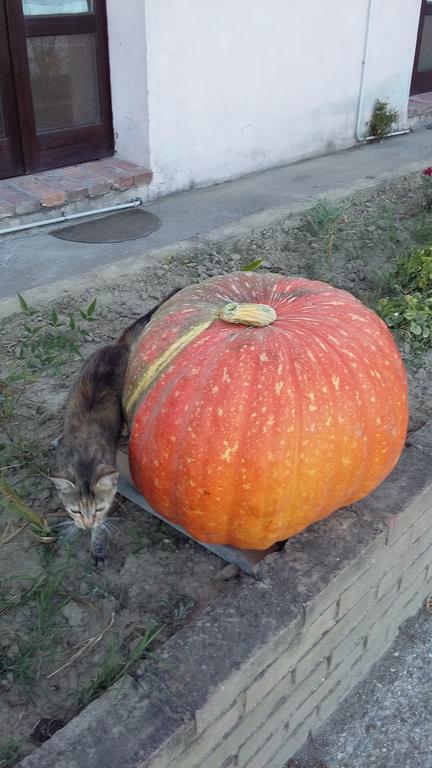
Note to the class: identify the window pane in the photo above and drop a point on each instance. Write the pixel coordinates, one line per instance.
(425, 58)
(64, 81)
(54, 7)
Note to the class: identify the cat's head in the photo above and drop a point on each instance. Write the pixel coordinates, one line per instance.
(88, 502)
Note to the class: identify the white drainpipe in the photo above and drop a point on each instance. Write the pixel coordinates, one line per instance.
(360, 102)
(69, 216)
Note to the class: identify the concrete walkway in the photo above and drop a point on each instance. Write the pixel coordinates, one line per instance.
(38, 259)
(386, 721)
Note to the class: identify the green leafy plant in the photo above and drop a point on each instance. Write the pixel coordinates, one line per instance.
(410, 316)
(382, 120)
(407, 309)
(252, 265)
(49, 344)
(413, 272)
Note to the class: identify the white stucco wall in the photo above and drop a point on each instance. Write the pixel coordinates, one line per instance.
(128, 66)
(234, 86)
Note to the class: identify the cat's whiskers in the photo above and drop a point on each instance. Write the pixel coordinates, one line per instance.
(114, 528)
(105, 528)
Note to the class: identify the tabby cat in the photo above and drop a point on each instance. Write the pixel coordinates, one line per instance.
(86, 475)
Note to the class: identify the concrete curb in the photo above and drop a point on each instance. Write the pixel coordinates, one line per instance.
(96, 278)
(268, 662)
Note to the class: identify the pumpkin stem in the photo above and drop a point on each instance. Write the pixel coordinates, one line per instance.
(248, 314)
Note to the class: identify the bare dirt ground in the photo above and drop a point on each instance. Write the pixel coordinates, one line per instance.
(67, 631)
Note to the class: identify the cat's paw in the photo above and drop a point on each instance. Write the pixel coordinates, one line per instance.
(101, 559)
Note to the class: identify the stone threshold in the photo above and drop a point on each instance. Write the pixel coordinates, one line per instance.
(420, 105)
(420, 111)
(74, 188)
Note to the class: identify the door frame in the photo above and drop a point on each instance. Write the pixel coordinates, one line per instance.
(421, 81)
(11, 159)
(55, 148)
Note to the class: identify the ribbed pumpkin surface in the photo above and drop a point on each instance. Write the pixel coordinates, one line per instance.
(245, 435)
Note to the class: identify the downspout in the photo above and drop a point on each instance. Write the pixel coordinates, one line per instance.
(360, 102)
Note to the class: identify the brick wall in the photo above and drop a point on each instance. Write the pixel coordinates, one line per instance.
(270, 661)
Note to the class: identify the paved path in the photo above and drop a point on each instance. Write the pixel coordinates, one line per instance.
(386, 722)
(37, 259)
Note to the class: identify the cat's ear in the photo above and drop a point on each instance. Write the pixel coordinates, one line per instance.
(106, 478)
(63, 485)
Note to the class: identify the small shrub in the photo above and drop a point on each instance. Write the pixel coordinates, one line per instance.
(382, 120)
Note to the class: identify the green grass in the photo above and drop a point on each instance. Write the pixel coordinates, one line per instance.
(116, 665)
(15, 505)
(10, 752)
(326, 221)
(44, 598)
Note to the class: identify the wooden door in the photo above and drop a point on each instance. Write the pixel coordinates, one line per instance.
(60, 92)
(422, 73)
(11, 161)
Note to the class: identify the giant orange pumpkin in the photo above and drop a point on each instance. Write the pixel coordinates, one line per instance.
(259, 404)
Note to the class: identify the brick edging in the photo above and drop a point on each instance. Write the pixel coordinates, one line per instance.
(272, 659)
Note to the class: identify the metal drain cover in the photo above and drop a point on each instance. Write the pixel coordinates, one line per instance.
(113, 228)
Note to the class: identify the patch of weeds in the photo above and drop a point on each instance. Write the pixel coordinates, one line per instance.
(16, 506)
(115, 665)
(49, 344)
(324, 221)
(11, 392)
(44, 600)
(9, 752)
(177, 609)
(410, 316)
(11, 600)
(387, 222)
(413, 272)
(420, 229)
(382, 119)
(407, 309)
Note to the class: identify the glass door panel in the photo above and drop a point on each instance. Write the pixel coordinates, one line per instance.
(64, 81)
(55, 7)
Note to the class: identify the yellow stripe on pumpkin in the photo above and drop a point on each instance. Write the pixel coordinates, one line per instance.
(157, 366)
